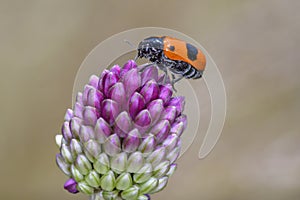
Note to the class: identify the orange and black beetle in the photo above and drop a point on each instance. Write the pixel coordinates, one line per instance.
(176, 55)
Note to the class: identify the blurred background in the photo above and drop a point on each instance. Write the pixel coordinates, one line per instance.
(255, 44)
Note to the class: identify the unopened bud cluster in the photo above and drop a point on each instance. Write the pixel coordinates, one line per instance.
(122, 137)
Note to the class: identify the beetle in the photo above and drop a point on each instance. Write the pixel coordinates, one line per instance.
(175, 55)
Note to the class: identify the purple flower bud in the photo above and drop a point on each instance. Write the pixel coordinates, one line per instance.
(116, 69)
(147, 145)
(61, 163)
(69, 115)
(169, 114)
(109, 80)
(155, 108)
(66, 132)
(78, 108)
(173, 155)
(71, 186)
(90, 116)
(143, 119)
(157, 156)
(178, 102)
(122, 124)
(170, 142)
(182, 118)
(85, 93)
(75, 124)
(132, 81)
(94, 98)
(100, 83)
(102, 130)
(149, 73)
(165, 93)
(172, 169)
(136, 104)
(94, 81)
(79, 98)
(161, 130)
(110, 110)
(112, 145)
(132, 141)
(93, 148)
(150, 91)
(177, 128)
(86, 133)
(130, 64)
(117, 93)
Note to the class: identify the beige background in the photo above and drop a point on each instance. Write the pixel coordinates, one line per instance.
(255, 44)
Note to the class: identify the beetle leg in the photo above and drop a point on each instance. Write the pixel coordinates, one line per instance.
(174, 80)
(164, 69)
(144, 66)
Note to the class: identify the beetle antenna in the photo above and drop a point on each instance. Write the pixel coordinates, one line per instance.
(128, 42)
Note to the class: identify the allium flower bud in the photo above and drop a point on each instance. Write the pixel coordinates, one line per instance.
(71, 185)
(122, 138)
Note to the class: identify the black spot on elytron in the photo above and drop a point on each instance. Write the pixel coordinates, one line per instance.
(172, 48)
(191, 52)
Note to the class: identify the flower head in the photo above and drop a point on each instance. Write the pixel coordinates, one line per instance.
(122, 138)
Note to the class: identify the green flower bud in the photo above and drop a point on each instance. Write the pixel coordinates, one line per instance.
(135, 162)
(66, 153)
(110, 195)
(130, 193)
(157, 156)
(143, 174)
(97, 196)
(93, 179)
(124, 181)
(118, 162)
(108, 181)
(172, 170)
(75, 147)
(85, 188)
(148, 185)
(161, 169)
(162, 183)
(83, 164)
(76, 174)
(92, 149)
(102, 165)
